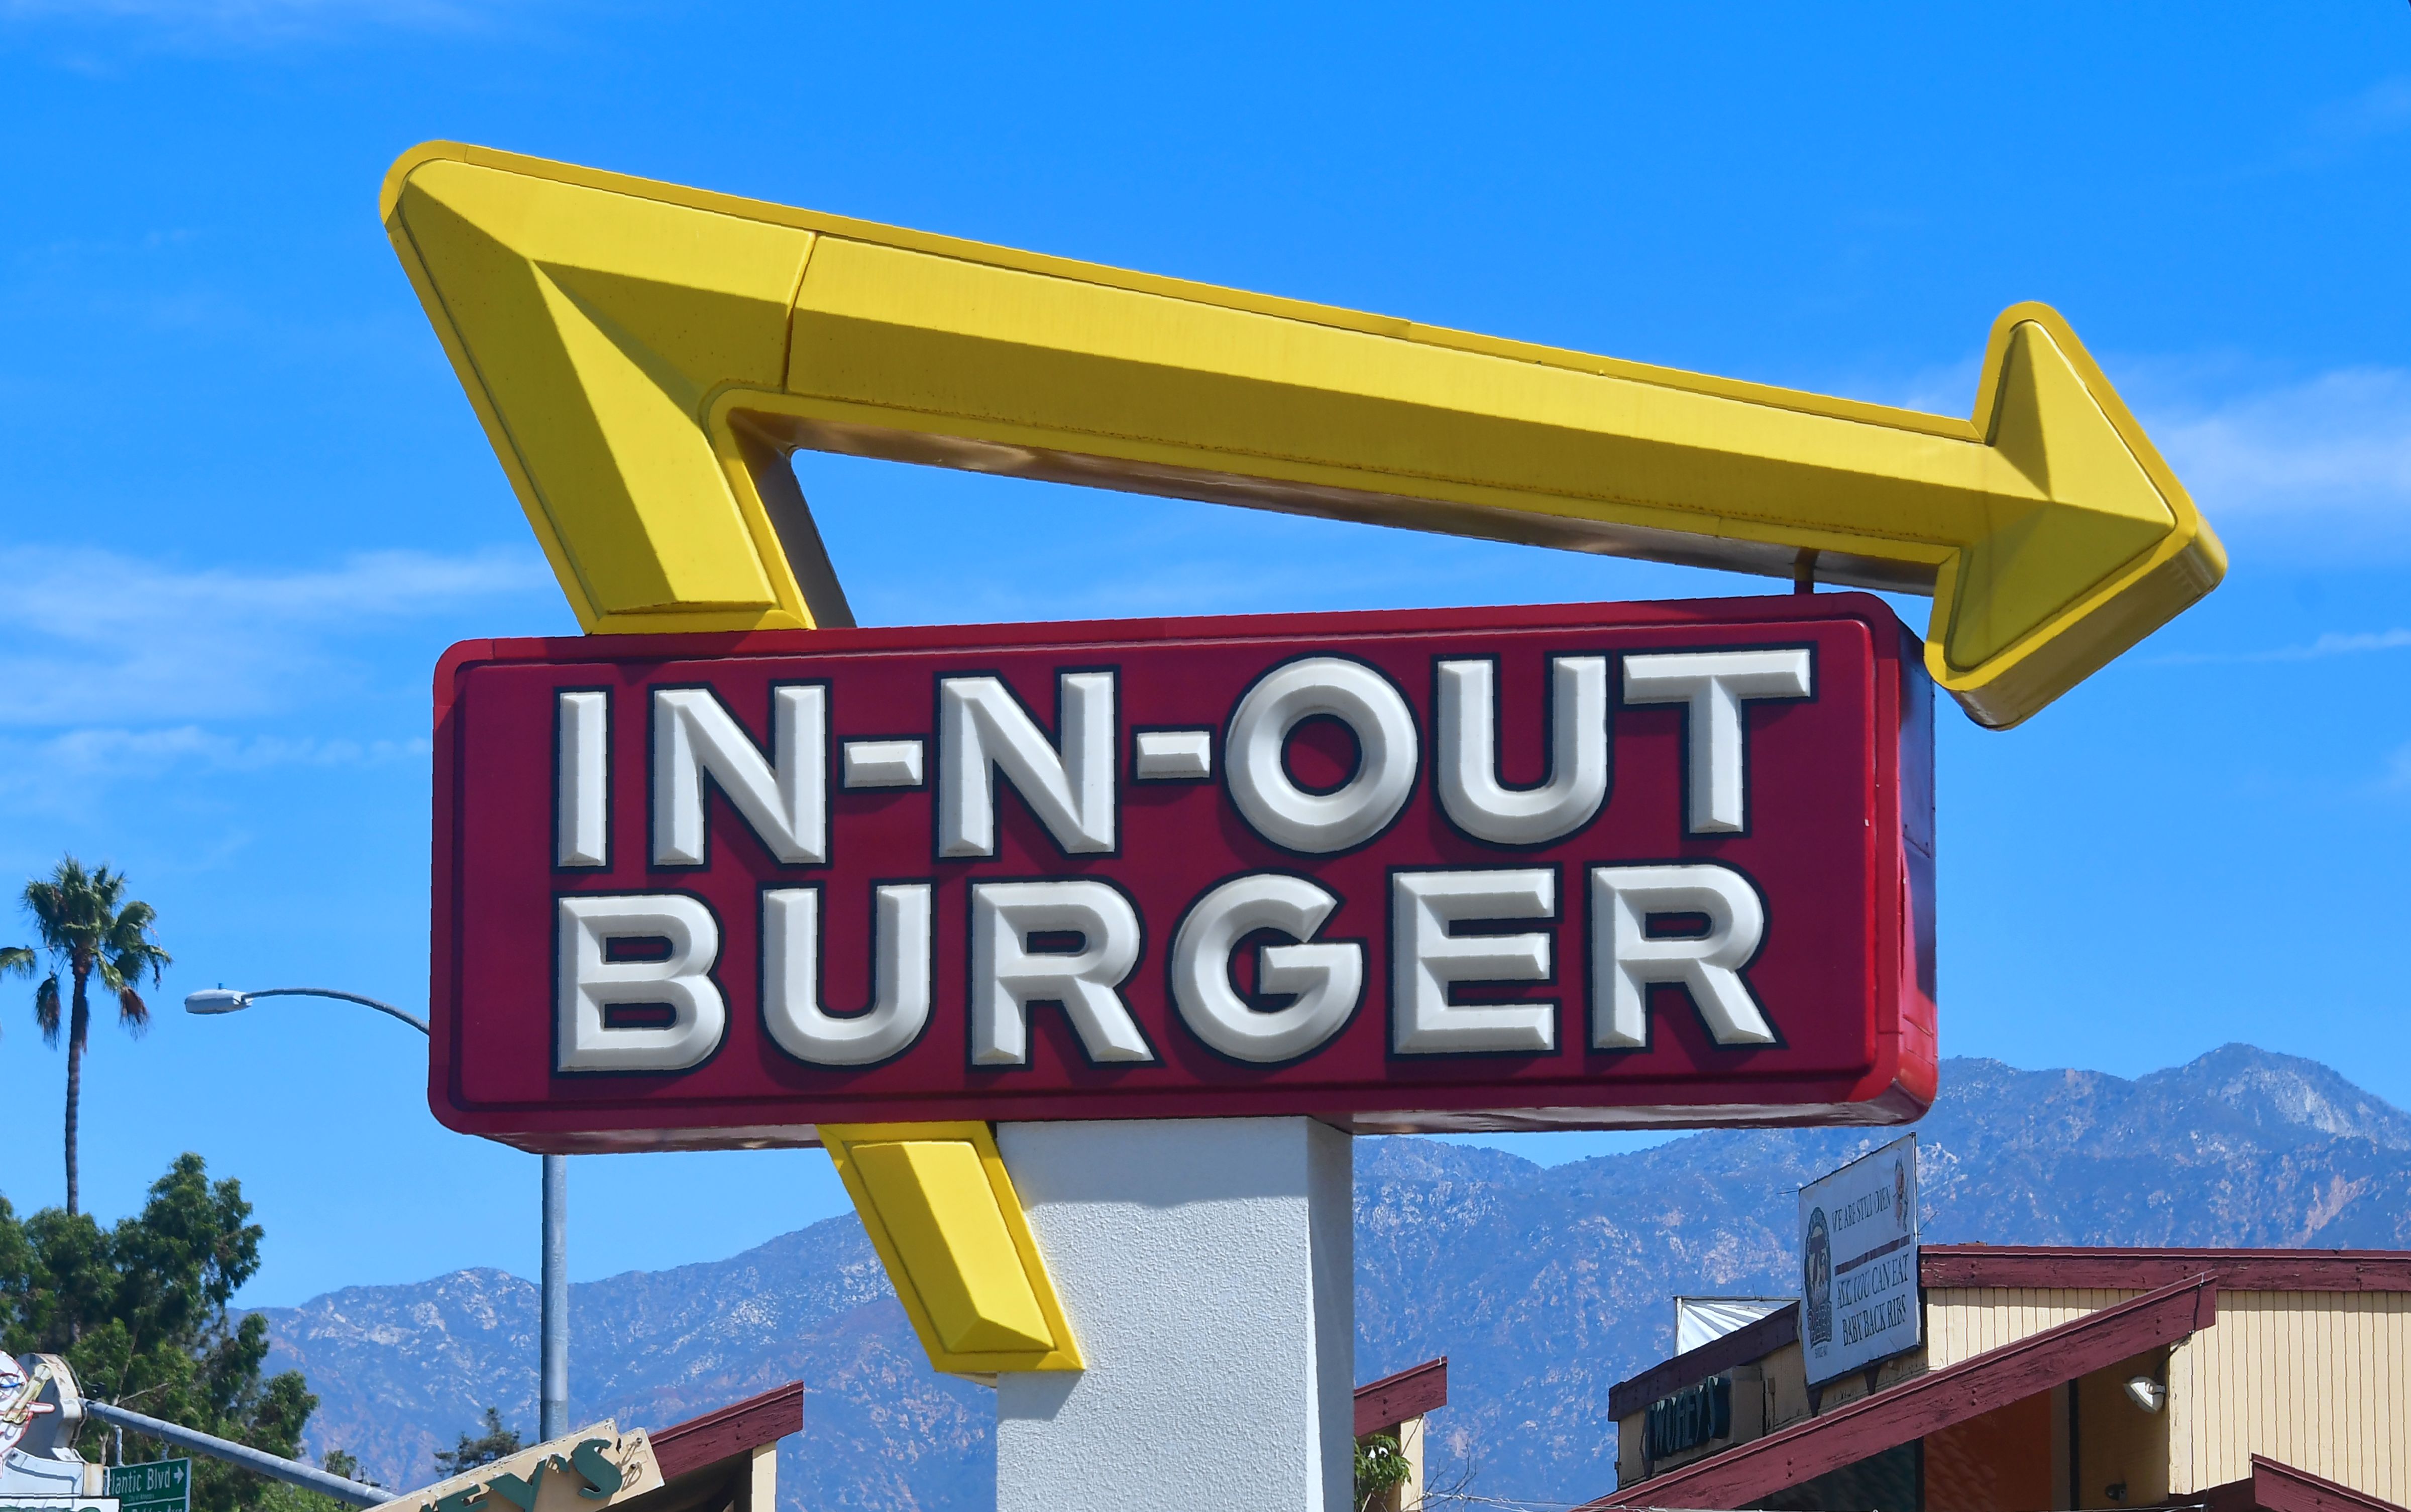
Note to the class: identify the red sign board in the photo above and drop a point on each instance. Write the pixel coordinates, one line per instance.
(1589, 866)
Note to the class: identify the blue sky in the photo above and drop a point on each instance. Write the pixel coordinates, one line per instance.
(243, 504)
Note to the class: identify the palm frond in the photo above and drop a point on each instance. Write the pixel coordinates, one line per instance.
(109, 886)
(48, 903)
(129, 950)
(87, 924)
(132, 925)
(46, 1009)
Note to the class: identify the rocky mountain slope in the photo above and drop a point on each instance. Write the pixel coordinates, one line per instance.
(1543, 1286)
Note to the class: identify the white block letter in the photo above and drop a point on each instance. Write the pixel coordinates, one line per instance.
(1427, 959)
(590, 982)
(581, 824)
(1470, 789)
(791, 978)
(1286, 814)
(1625, 960)
(1007, 976)
(1328, 978)
(784, 799)
(983, 730)
(1715, 684)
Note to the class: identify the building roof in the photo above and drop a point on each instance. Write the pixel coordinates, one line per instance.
(1396, 1399)
(2140, 1270)
(738, 1429)
(2272, 1487)
(1750, 1342)
(2041, 1267)
(1925, 1404)
(707, 1463)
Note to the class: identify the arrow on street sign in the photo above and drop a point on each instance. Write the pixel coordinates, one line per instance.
(644, 356)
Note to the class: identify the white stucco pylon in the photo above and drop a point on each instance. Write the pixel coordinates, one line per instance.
(1206, 1266)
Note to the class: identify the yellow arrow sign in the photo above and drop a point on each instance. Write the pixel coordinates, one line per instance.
(644, 356)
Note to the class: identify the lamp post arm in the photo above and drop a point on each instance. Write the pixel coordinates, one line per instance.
(292, 1471)
(552, 1386)
(401, 1013)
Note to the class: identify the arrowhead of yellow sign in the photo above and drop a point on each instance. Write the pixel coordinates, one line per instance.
(644, 356)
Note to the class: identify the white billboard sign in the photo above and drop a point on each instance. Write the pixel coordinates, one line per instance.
(1857, 1264)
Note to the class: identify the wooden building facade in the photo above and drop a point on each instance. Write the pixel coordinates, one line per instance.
(2054, 1379)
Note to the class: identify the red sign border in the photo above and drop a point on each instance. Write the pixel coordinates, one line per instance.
(1897, 1088)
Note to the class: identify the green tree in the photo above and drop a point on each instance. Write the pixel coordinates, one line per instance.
(140, 1310)
(87, 928)
(1382, 1468)
(341, 1462)
(279, 1497)
(495, 1442)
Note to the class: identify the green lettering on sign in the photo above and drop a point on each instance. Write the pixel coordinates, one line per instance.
(159, 1486)
(602, 1476)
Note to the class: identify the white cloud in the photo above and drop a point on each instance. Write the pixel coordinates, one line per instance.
(2375, 111)
(2337, 445)
(2398, 771)
(2323, 463)
(68, 774)
(2334, 643)
(88, 634)
(251, 21)
(117, 752)
(127, 674)
(1948, 388)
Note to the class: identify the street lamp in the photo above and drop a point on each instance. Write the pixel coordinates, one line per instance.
(552, 1390)
(225, 1000)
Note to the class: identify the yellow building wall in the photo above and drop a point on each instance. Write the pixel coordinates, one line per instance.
(1962, 1322)
(2318, 1380)
(2121, 1451)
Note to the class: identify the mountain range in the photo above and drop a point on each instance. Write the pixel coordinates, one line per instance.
(1543, 1285)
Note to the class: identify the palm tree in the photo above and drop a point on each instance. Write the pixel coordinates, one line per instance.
(86, 928)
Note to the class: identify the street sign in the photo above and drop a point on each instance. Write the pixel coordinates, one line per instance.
(1577, 866)
(1857, 1264)
(157, 1486)
(644, 356)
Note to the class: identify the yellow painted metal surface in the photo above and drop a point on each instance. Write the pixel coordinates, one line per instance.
(587, 328)
(947, 1223)
(644, 356)
(942, 1212)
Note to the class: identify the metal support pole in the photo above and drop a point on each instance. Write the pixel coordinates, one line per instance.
(552, 1398)
(552, 1328)
(292, 1471)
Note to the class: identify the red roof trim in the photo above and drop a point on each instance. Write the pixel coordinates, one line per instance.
(2281, 1488)
(1752, 1342)
(1396, 1399)
(1936, 1400)
(739, 1427)
(2041, 1267)
(2046, 1266)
